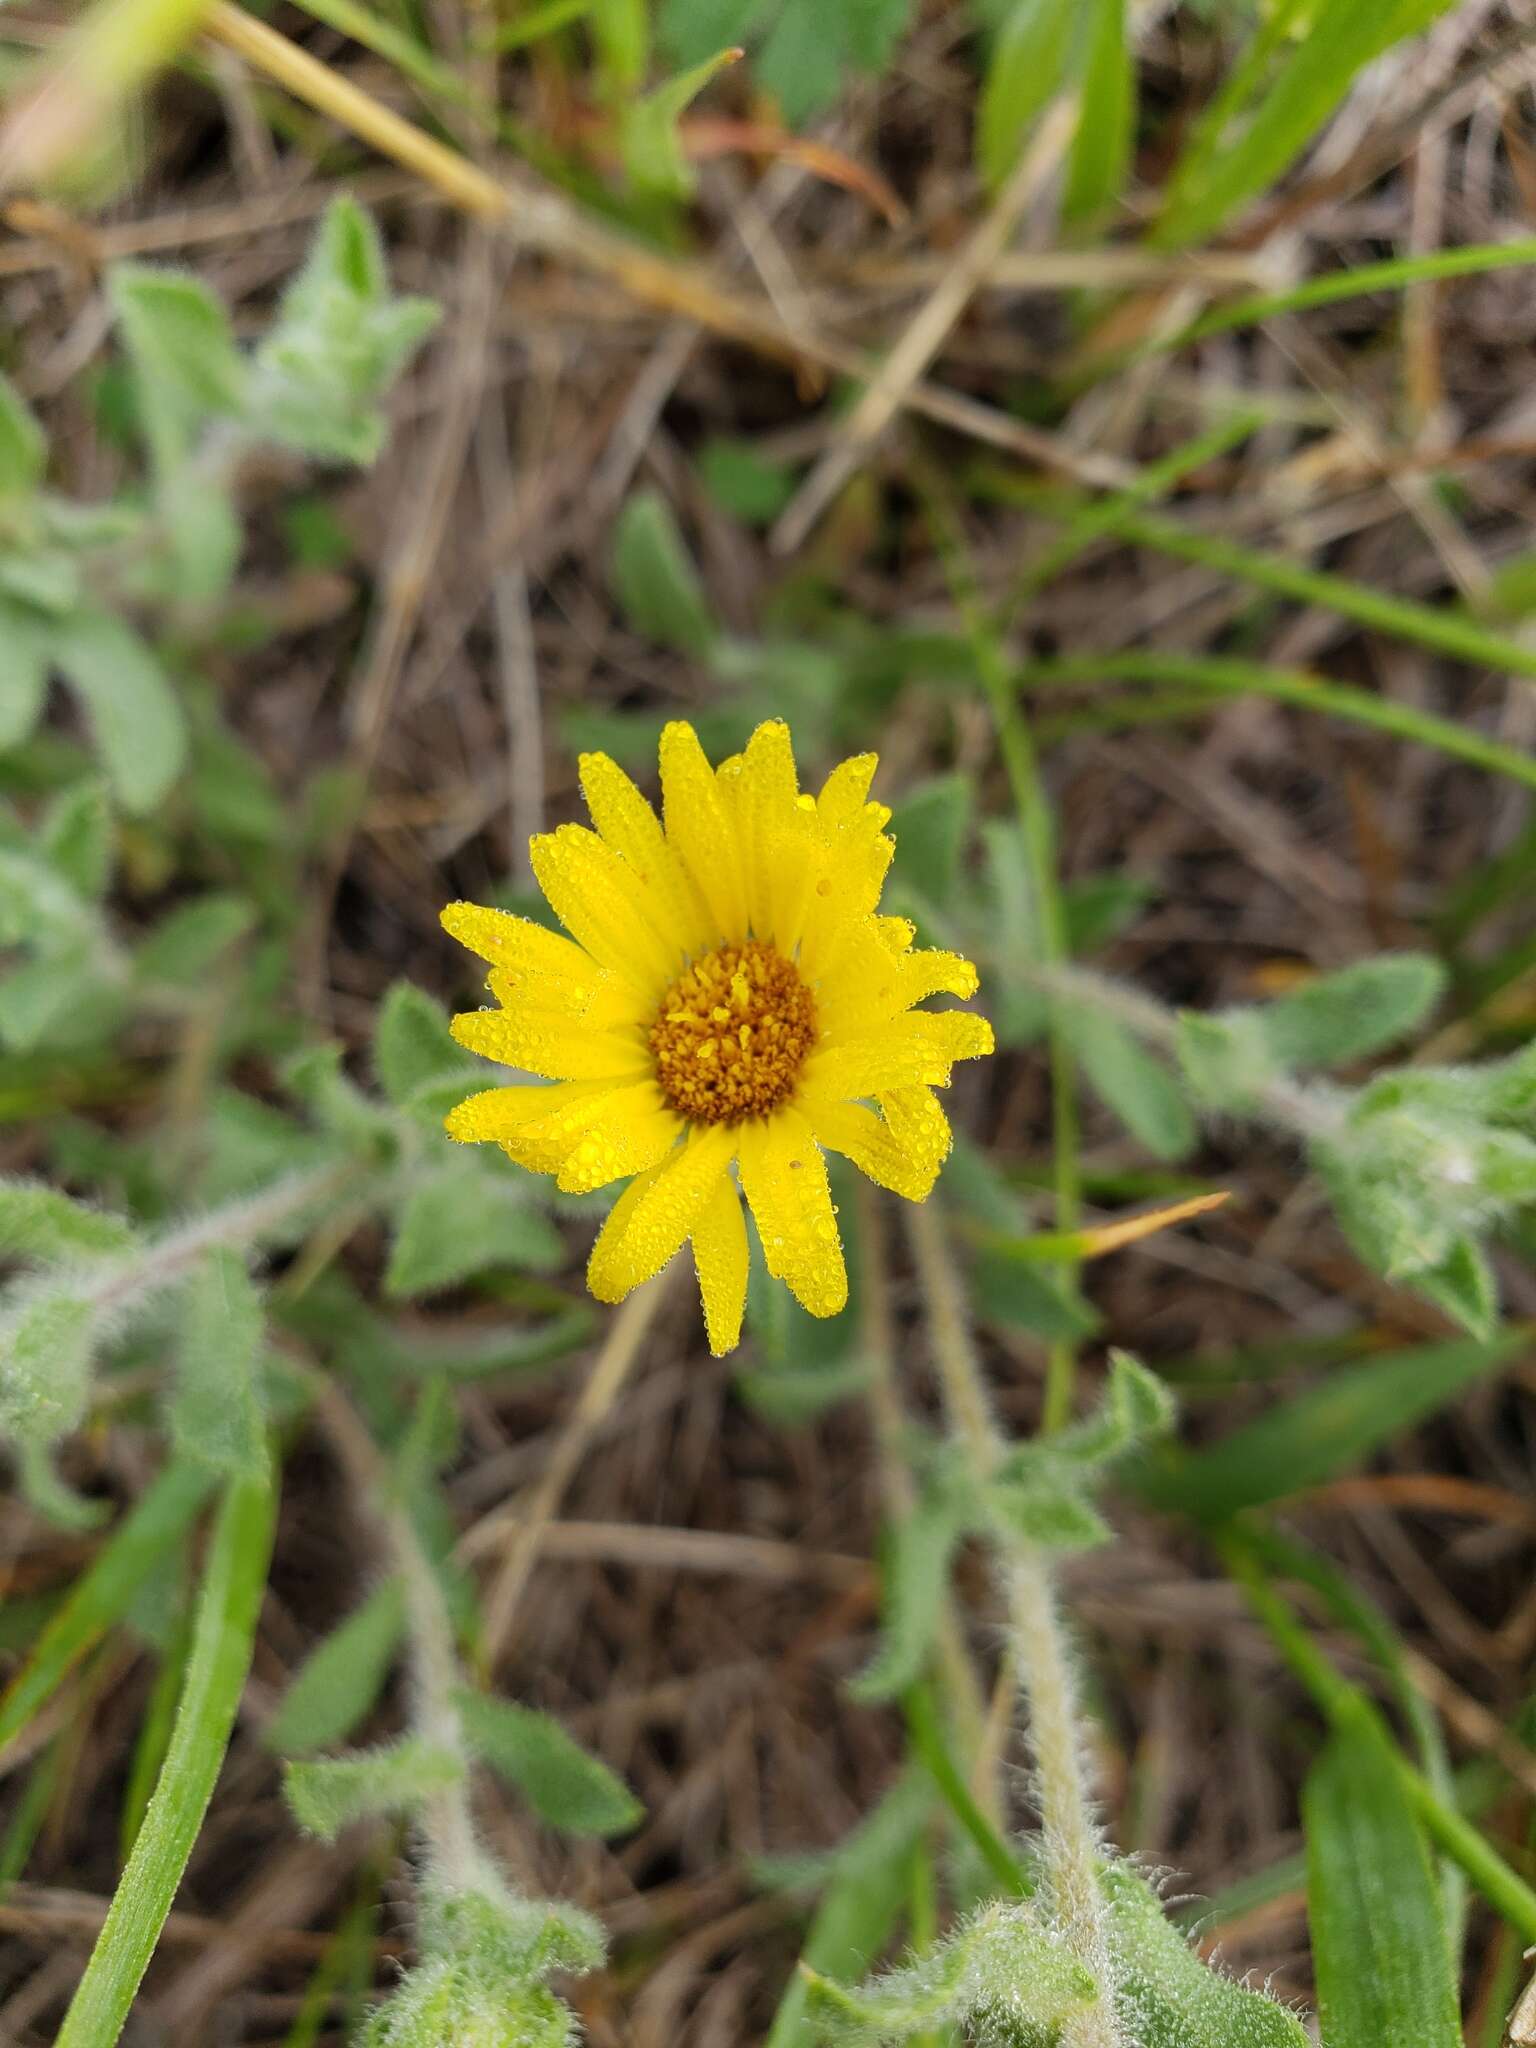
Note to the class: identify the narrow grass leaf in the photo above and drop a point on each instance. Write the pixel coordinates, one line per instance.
(1379, 1942)
(865, 1892)
(1322, 1432)
(1030, 58)
(102, 1594)
(1315, 75)
(1225, 677)
(222, 1635)
(1101, 147)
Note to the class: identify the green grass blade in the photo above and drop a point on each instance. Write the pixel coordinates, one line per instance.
(859, 1908)
(102, 1594)
(928, 1741)
(1322, 1432)
(1378, 1936)
(1233, 678)
(1313, 78)
(1101, 146)
(225, 1627)
(1101, 517)
(1393, 274)
(1442, 627)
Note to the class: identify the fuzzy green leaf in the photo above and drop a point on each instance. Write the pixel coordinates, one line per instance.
(341, 1678)
(184, 358)
(216, 1409)
(935, 818)
(412, 1045)
(50, 1495)
(47, 1339)
(1137, 1087)
(137, 720)
(1359, 1010)
(76, 837)
(919, 1549)
(1050, 1517)
(327, 1796)
(188, 944)
(1464, 1286)
(38, 1222)
(1226, 1060)
(1001, 1964)
(564, 1784)
(1379, 1940)
(27, 663)
(1166, 1996)
(654, 578)
(23, 450)
(462, 1219)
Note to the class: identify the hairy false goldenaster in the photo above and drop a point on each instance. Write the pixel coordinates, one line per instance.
(728, 998)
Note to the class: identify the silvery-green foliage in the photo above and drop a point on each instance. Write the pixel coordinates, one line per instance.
(1231, 1058)
(1041, 1491)
(450, 1211)
(1164, 1996)
(482, 1982)
(1006, 1979)
(70, 573)
(1426, 1163)
(339, 342)
(330, 1793)
(1003, 1977)
(564, 1784)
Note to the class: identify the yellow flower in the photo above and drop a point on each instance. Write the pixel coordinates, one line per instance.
(728, 997)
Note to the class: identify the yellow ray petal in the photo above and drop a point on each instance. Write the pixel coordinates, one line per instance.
(610, 1002)
(769, 822)
(866, 984)
(858, 1134)
(633, 1130)
(497, 1114)
(602, 903)
(720, 1260)
(551, 1043)
(918, 1124)
(701, 830)
(916, 1049)
(517, 945)
(846, 790)
(633, 1247)
(784, 1178)
(629, 825)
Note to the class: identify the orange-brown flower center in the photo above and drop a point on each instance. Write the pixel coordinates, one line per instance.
(732, 1034)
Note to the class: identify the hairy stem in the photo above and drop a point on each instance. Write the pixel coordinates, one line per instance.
(1043, 1659)
(235, 1226)
(1307, 1111)
(455, 1859)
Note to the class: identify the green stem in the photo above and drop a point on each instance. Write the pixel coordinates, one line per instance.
(225, 1628)
(1354, 283)
(1443, 628)
(1109, 515)
(1342, 1703)
(1038, 830)
(1232, 678)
